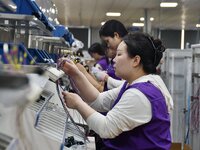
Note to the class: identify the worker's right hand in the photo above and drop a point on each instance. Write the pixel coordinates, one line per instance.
(68, 66)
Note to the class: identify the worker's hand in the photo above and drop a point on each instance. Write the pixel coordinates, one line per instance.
(81, 68)
(99, 74)
(71, 100)
(68, 66)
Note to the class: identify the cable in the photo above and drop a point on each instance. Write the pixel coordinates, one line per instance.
(195, 111)
(67, 112)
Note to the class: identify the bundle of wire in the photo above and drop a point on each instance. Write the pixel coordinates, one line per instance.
(195, 110)
(58, 87)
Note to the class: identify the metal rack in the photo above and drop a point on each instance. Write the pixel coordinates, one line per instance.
(23, 21)
(51, 44)
(55, 122)
(48, 48)
(19, 27)
(7, 6)
(177, 76)
(195, 100)
(7, 142)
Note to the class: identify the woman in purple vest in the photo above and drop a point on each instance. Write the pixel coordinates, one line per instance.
(138, 112)
(96, 51)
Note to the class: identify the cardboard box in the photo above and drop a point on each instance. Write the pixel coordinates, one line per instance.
(177, 146)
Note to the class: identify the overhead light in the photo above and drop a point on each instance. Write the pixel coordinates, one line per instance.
(141, 18)
(152, 19)
(182, 38)
(198, 25)
(113, 14)
(13, 6)
(138, 24)
(168, 4)
(102, 23)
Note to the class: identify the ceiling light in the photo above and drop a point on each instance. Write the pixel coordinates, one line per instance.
(102, 23)
(113, 14)
(13, 6)
(198, 25)
(168, 4)
(138, 24)
(151, 19)
(141, 18)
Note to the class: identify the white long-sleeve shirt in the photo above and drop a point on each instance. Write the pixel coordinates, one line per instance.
(133, 109)
(114, 83)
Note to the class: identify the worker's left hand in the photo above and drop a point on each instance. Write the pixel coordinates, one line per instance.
(81, 68)
(99, 74)
(71, 100)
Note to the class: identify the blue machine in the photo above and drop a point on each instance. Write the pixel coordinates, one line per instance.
(25, 56)
(62, 31)
(30, 7)
(42, 56)
(18, 52)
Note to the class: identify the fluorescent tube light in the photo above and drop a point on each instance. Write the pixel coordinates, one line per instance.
(12, 6)
(168, 4)
(138, 24)
(198, 25)
(152, 19)
(102, 23)
(182, 38)
(113, 14)
(141, 18)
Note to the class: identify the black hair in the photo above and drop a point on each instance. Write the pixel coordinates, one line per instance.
(112, 26)
(96, 48)
(149, 49)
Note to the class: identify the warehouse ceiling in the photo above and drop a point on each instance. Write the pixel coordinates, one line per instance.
(91, 13)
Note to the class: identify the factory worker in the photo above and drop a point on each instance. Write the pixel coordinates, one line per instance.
(96, 51)
(138, 111)
(112, 33)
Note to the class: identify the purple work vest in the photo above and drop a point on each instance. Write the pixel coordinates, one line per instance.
(108, 67)
(103, 62)
(111, 71)
(154, 135)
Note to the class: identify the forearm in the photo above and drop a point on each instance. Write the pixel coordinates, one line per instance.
(85, 110)
(96, 84)
(113, 83)
(87, 91)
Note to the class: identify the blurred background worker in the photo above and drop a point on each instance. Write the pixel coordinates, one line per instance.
(97, 52)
